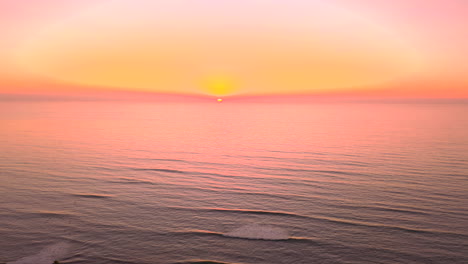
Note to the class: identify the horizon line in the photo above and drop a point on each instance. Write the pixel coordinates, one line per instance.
(149, 97)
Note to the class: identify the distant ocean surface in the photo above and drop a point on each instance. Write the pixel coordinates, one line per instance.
(115, 182)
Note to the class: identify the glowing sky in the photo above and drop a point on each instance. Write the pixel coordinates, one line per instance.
(415, 48)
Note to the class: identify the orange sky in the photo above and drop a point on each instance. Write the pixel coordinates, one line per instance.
(373, 48)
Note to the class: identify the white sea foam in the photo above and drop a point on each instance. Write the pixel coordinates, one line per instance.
(46, 256)
(256, 231)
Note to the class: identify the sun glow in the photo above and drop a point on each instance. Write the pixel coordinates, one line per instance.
(219, 85)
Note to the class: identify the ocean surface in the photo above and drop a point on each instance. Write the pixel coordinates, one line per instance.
(115, 182)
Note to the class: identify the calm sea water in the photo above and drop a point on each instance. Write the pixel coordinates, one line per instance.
(106, 182)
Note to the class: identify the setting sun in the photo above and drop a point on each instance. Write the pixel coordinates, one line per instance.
(219, 85)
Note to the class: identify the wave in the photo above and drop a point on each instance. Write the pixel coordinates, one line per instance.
(250, 231)
(388, 227)
(261, 212)
(51, 214)
(159, 170)
(160, 159)
(242, 211)
(92, 195)
(130, 181)
(256, 231)
(328, 219)
(315, 171)
(197, 233)
(46, 256)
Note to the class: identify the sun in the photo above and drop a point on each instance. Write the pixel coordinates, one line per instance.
(219, 100)
(219, 85)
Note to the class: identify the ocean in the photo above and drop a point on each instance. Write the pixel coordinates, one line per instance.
(251, 183)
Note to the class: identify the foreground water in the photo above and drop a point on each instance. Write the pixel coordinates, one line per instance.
(95, 182)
